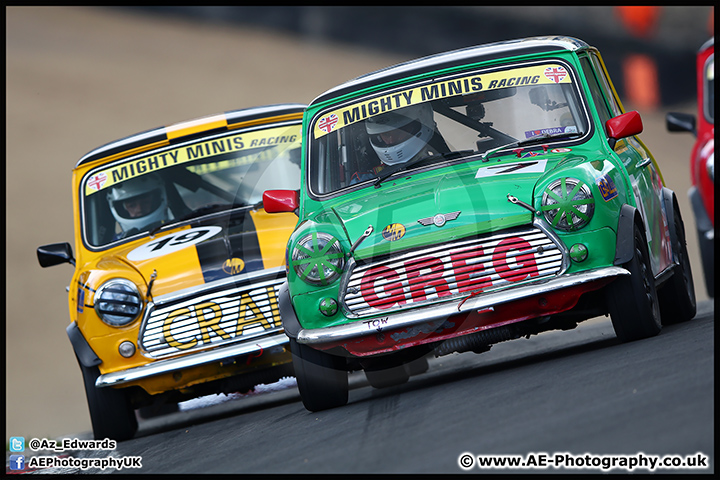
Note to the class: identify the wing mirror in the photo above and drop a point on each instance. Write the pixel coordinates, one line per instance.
(680, 122)
(276, 201)
(625, 125)
(55, 254)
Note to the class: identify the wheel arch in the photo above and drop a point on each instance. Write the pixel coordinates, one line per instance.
(83, 351)
(289, 319)
(671, 207)
(624, 244)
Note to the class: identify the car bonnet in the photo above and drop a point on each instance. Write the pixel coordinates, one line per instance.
(239, 248)
(456, 201)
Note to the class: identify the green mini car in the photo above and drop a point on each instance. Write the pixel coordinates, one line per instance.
(469, 198)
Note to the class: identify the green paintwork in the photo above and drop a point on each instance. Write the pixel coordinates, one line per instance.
(483, 203)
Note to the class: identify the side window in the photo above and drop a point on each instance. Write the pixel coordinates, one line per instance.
(595, 91)
(605, 84)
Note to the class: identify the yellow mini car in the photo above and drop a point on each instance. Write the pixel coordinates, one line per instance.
(177, 265)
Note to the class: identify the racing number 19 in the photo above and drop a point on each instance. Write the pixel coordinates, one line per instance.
(177, 240)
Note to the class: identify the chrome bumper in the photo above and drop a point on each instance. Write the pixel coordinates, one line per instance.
(188, 361)
(442, 311)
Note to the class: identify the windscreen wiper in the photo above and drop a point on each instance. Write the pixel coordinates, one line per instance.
(530, 141)
(389, 171)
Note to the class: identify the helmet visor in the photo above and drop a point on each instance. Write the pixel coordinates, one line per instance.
(140, 205)
(396, 136)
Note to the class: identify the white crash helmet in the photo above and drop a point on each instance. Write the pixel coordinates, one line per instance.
(149, 188)
(416, 120)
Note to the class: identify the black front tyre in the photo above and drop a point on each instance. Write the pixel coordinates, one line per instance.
(111, 414)
(677, 296)
(322, 378)
(632, 300)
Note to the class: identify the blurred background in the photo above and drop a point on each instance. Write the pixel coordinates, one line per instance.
(79, 77)
(647, 49)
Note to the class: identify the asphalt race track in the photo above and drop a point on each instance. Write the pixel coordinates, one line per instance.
(577, 392)
(78, 78)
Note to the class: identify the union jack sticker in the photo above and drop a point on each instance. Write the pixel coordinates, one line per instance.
(326, 124)
(556, 74)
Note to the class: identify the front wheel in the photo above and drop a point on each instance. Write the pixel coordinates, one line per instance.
(111, 414)
(632, 301)
(322, 378)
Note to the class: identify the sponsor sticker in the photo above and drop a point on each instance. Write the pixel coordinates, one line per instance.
(474, 83)
(394, 231)
(270, 137)
(550, 131)
(560, 150)
(607, 187)
(233, 266)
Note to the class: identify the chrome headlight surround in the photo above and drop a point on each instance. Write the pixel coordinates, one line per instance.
(318, 259)
(568, 204)
(118, 302)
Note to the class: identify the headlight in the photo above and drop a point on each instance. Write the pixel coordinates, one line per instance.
(318, 259)
(568, 204)
(118, 302)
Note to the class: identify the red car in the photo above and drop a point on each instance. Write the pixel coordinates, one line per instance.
(702, 158)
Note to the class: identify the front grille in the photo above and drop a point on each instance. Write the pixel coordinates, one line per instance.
(209, 318)
(457, 269)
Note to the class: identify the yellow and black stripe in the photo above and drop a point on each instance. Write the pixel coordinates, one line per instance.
(184, 131)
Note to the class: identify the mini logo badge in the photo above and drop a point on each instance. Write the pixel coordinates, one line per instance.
(394, 231)
(440, 219)
(233, 266)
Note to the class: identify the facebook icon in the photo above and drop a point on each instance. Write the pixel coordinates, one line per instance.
(17, 462)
